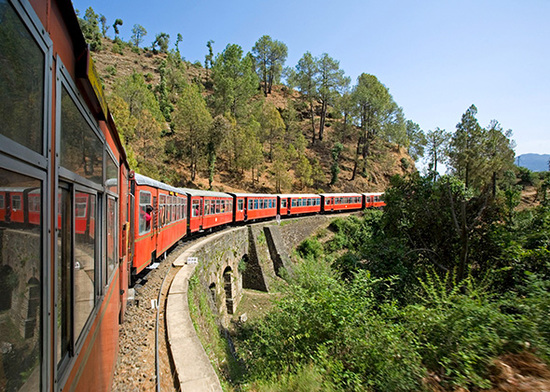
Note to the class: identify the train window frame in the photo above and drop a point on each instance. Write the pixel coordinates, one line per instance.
(22, 168)
(240, 204)
(146, 230)
(65, 83)
(8, 146)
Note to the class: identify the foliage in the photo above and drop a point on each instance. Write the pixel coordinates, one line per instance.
(270, 57)
(331, 82)
(138, 34)
(235, 81)
(90, 29)
(191, 124)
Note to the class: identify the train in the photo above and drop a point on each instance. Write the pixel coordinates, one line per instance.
(77, 225)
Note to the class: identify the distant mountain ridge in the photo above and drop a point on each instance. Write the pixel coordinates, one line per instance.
(533, 162)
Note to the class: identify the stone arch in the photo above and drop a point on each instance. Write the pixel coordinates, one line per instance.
(228, 288)
(212, 289)
(8, 283)
(33, 297)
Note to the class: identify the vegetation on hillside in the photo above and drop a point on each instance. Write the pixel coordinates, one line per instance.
(425, 295)
(267, 136)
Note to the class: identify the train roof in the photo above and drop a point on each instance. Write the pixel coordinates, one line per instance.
(144, 180)
(252, 194)
(340, 194)
(297, 195)
(373, 194)
(200, 192)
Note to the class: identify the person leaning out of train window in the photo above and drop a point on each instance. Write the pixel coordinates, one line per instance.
(148, 216)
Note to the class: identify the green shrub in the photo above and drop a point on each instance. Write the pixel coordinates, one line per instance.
(310, 247)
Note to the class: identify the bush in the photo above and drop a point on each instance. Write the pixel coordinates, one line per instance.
(310, 248)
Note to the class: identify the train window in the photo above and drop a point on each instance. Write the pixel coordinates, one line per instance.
(162, 208)
(20, 288)
(240, 204)
(283, 203)
(195, 208)
(21, 81)
(145, 212)
(184, 207)
(207, 207)
(173, 207)
(2, 205)
(76, 132)
(256, 204)
(250, 204)
(16, 202)
(111, 171)
(218, 206)
(112, 237)
(213, 207)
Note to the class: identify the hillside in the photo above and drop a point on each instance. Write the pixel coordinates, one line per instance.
(116, 62)
(534, 162)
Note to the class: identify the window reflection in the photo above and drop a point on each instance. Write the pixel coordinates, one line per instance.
(81, 148)
(20, 282)
(84, 260)
(111, 237)
(21, 81)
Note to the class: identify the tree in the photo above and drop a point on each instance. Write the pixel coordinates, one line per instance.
(436, 146)
(137, 95)
(346, 106)
(104, 26)
(305, 79)
(417, 140)
(235, 81)
(499, 152)
(179, 38)
(372, 100)
(304, 172)
(478, 155)
(90, 29)
(335, 168)
(161, 40)
(273, 126)
(331, 82)
(191, 123)
(118, 22)
(281, 178)
(217, 133)
(138, 33)
(270, 57)
(208, 58)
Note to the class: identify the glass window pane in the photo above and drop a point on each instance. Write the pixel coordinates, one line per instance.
(112, 238)
(145, 212)
(20, 285)
(21, 81)
(64, 262)
(111, 182)
(81, 149)
(84, 263)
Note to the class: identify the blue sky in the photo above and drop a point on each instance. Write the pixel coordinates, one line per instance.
(436, 57)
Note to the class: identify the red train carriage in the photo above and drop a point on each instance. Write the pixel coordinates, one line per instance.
(64, 251)
(208, 209)
(253, 206)
(297, 204)
(373, 200)
(341, 202)
(159, 219)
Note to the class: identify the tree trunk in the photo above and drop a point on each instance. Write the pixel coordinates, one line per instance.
(322, 123)
(357, 150)
(312, 115)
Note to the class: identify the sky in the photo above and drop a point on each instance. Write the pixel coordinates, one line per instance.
(437, 57)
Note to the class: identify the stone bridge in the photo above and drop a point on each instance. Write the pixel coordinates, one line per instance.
(249, 257)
